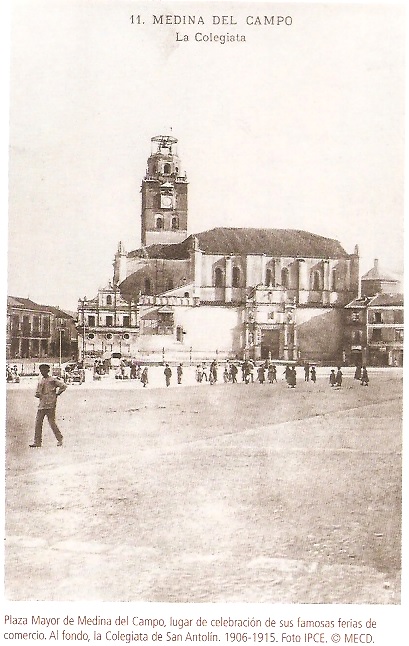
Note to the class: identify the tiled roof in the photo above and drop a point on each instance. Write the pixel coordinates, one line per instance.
(387, 299)
(272, 242)
(28, 304)
(376, 274)
(244, 241)
(178, 251)
(25, 303)
(359, 302)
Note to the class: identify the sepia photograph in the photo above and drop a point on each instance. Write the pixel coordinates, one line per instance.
(205, 314)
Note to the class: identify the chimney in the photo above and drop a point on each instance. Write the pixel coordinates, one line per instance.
(376, 264)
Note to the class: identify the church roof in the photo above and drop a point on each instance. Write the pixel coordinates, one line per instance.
(273, 242)
(245, 241)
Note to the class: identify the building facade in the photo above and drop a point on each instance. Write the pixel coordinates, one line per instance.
(38, 331)
(226, 292)
(106, 324)
(373, 332)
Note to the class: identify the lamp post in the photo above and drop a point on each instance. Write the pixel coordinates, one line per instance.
(84, 300)
(61, 332)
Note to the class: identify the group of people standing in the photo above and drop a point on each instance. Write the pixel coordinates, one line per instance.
(361, 374)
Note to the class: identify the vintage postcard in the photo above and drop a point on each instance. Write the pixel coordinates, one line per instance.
(205, 314)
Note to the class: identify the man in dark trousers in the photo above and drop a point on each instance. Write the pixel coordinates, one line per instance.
(48, 389)
(179, 371)
(168, 373)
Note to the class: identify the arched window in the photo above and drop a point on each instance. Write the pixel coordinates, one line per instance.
(109, 300)
(268, 277)
(176, 170)
(166, 169)
(316, 281)
(147, 286)
(159, 223)
(218, 277)
(285, 278)
(175, 223)
(236, 277)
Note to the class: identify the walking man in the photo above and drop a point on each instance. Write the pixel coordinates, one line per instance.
(168, 373)
(179, 371)
(48, 389)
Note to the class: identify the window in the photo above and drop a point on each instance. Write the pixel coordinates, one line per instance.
(91, 321)
(125, 336)
(398, 316)
(179, 333)
(109, 321)
(36, 324)
(91, 336)
(284, 278)
(109, 300)
(378, 317)
(377, 334)
(166, 169)
(108, 336)
(218, 277)
(316, 281)
(268, 277)
(334, 280)
(175, 223)
(186, 294)
(169, 284)
(236, 277)
(355, 317)
(147, 286)
(159, 223)
(126, 321)
(399, 335)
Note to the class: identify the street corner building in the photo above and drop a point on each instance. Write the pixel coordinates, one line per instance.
(222, 293)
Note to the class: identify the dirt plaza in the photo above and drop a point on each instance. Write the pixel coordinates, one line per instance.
(198, 493)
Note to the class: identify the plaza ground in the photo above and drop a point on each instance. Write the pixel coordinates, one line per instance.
(225, 493)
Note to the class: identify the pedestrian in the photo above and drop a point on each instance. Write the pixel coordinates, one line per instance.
(144, 377)
(213, 372)
(243, 370)
(233, 373)
(272, 373)
(260, 374)
(313, 374)
(199, 373)
(306, 372)
(133, 368)
(292, 377)
(226, 375)
(168, 373)
(287, 371)
(358, 373)
(48, 389)
(364, 377)
(204, 373)
(179, 371)
(251, 370)
(338, 377)
(332, 378)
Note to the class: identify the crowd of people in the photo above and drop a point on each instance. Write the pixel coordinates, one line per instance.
(250, 371)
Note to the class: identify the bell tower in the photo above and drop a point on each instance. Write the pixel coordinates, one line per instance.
(164, 195)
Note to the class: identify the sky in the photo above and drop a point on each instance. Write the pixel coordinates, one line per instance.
(301, 126)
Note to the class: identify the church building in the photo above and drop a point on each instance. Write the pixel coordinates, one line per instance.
(224, 292)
